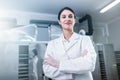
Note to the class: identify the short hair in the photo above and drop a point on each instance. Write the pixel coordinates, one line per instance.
(65, 8)
(35, 51)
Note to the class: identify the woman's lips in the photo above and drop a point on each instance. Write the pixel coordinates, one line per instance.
(68, 23)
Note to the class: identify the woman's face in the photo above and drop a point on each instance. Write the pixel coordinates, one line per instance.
(67, 20)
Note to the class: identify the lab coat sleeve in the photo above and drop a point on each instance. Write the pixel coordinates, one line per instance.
(48, 70)
(81, 64)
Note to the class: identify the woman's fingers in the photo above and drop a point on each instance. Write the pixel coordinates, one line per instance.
(48, 59)
(51, 61)
(84, 52)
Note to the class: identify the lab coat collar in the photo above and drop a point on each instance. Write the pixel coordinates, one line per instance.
(73, 40)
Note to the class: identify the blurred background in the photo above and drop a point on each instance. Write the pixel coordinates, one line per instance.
(26, 25)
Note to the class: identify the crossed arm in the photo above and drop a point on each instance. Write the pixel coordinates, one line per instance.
(82, 64)
(53, 62)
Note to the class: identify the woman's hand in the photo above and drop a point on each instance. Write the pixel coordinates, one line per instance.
(85, 51)
(51, 61)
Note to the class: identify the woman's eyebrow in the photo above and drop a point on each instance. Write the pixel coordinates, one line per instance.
(70, 14)
(63, 15)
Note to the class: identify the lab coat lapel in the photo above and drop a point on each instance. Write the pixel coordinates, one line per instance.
(61, 46)
(72, 43)
(73, 40)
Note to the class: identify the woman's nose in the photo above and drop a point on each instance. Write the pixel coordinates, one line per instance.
(67, 18)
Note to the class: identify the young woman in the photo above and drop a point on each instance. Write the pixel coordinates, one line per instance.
(71, 56)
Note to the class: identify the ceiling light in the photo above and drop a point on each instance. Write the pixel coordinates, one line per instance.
(109, 6)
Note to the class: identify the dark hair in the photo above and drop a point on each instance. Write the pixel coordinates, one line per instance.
(65, 8)
(35, 51)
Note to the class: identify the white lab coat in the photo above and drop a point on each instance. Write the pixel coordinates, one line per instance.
(72, 66)
(33, 68)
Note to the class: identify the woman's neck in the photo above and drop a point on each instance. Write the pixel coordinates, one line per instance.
(67, 34)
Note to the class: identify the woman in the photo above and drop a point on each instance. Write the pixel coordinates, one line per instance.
(71, 56)
(33, 63)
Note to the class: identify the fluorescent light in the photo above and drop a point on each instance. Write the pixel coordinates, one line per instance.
(109, 6)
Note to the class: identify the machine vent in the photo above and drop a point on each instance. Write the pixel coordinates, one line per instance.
(102, 66)
(118, 61)
(23, 67)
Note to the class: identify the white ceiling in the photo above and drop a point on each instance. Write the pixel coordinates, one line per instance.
(81, 7)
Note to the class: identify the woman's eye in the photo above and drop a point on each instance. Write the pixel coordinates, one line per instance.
(70, 16)
(63, 16)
